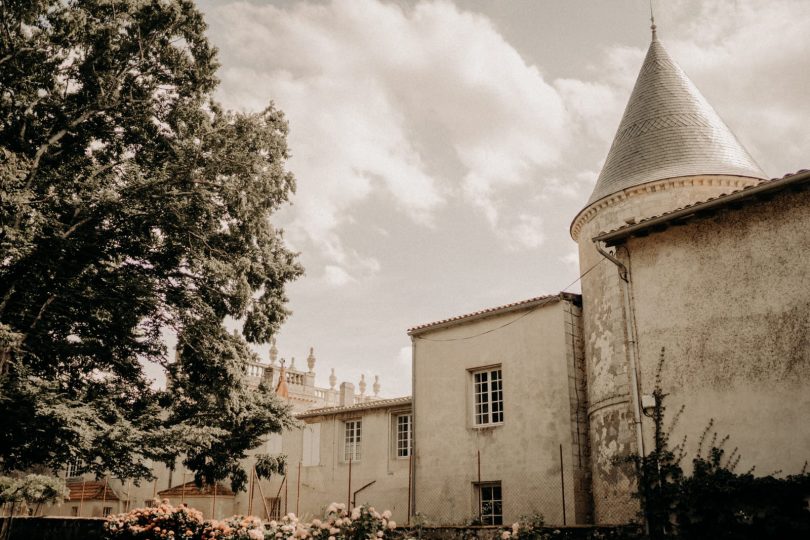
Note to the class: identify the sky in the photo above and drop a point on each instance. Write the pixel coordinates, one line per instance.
(442, 149)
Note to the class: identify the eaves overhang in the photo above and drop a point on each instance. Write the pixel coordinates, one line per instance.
(708, 208)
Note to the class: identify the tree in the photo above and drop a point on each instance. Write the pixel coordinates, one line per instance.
(132, 203)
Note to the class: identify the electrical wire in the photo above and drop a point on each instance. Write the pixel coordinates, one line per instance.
(513, 321)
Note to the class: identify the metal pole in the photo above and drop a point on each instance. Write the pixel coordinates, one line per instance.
(410, 480)
(298, 490)
(286, 493)
(562, 483)
(214, 503)
(480, 510)
(183, 490)
(349, 495)
(250, 491)
(81, 499)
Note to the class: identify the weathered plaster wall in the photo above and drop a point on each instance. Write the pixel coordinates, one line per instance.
(729, 298)
(328, 481)
(535, 353)
(612, 428)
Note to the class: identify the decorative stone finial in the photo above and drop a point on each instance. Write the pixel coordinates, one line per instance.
(376, 385)
(362, 385)
(332, 379)
(273, 353)
(292, 363)
(311, 360)
(652, 22)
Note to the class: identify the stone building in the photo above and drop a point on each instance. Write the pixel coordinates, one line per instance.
(500, 425)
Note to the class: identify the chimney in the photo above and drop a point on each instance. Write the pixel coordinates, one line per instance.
(346, 394)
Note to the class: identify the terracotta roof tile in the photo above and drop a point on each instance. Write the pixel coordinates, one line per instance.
(94, 490)
(531, 302)
(190, 489)
(368, 405)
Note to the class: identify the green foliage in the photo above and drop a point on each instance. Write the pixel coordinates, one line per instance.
(266, 465)
(33, 489)
(535, 528)
(715, 502)
(132, 203)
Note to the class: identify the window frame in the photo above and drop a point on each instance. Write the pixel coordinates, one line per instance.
(492, 416)
(352, 448)
(492, 517)
(408, 448)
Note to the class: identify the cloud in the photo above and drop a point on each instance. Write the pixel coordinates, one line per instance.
(410, 106)
(765, 97)
(336, 276)
(405, 357)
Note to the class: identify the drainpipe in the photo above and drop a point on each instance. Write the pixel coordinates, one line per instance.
(630, 344)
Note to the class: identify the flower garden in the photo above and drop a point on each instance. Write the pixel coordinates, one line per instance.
(168, 522)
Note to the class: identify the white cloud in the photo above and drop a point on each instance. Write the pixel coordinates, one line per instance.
(405, 357)
(336, 276)
(526, 232)
(421, 103)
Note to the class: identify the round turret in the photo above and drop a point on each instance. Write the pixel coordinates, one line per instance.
(671, 150)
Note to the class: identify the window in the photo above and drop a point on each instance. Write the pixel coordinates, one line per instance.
(74, 511)
(106, 511)
(491, 509)
(404, 437)
(274, 504)
(488, 389)
(72, 468)
(351, 449)
(312, 445)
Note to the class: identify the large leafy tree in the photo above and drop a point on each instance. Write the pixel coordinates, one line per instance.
(131, 204)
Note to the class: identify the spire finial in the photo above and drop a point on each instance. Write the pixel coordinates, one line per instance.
(652, 22)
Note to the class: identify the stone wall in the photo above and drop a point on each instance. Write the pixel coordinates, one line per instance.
(52, 528)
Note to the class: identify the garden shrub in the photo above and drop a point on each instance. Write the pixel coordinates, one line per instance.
(181, 523)
(714, 502)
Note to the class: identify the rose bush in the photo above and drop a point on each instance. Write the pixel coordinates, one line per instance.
(165, 521)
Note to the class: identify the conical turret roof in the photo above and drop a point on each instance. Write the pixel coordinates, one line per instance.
(669, 130)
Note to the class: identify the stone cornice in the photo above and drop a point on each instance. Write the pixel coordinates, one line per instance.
(590, 211)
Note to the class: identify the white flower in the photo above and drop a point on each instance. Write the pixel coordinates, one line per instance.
(356, 513)
(255, 534)
(41, 92)
(380, 534)
(392, 525)
(505, 535)
(386, 514)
